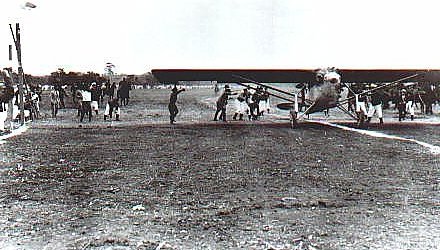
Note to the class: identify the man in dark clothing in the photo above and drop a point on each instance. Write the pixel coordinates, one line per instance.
(429, 97)
(95, 98)
(257, 97)
(222, 102)
(62, 94)
(172, 107)
(254, 105)
(111, 91)
(112, 105)
(124, 92)
(401, 104)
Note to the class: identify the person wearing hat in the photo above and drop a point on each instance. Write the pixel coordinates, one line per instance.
(402, 104)
(172, 107)
(411, 103)
(254, 104)
(375, 103)
(221, 104)
(241, 106)
(264, 101)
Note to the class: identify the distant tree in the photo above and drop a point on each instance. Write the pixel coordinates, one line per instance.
(34, 81)
(60, 77)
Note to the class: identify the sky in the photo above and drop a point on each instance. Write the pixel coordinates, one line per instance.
(140, 35)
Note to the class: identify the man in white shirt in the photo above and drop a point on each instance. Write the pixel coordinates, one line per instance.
(85, 104)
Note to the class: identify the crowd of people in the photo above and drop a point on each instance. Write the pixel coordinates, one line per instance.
(252, 104)
(9, 94)
(89, 97)
(405, 99)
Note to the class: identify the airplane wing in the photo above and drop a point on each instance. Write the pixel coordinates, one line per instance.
(387, 85)
(233, 75)
(292, 75)
(389, 75)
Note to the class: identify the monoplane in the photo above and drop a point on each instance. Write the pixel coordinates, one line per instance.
(324, 86)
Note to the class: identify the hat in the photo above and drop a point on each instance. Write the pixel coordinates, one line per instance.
(227, 86)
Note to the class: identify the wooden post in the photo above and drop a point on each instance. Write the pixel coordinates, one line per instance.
(10, 52)
(20, 74)
(17, 42)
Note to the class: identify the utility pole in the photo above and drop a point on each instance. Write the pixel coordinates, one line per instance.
(17, 42)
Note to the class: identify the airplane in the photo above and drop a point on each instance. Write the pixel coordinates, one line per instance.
(324, 85)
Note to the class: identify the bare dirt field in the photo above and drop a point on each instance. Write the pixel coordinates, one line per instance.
(144, 184)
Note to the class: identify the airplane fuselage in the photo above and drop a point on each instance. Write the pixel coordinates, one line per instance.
(324, 94)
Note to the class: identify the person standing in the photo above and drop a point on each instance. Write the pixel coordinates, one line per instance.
(402, 104)
(54, 102)
(111, 91)
(411, 103)
(35, 100)
(264, 102)
(241, 106)
(429, 97)
(361, 108)
(256, 99)
(78, 100)
(124, 92)
(172, 107)
(112, 105)
(61, 93)
(95, 96)
(222, 102)
(375, 105)
(86, 104)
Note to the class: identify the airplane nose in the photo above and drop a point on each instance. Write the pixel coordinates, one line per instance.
(334, 80)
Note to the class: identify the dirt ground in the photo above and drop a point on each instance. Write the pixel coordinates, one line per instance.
(144, 184)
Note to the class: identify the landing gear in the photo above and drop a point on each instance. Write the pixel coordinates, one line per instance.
(361, 119)
(293, 118)
(293, 112)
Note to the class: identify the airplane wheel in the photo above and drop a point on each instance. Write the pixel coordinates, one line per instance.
(293, 118)
(361, 120)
